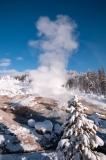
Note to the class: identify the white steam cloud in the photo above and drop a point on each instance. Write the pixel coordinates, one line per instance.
(57, 40)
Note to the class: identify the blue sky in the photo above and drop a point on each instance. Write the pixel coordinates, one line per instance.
(17, 27)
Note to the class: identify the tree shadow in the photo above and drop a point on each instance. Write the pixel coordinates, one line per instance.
(9, 143)
(37, 156)
(24, 113)
(48, 106)
(102, 136)
(101, 149)
(10, 147)
(103, 123)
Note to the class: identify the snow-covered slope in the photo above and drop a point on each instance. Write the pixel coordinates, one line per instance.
(11, 86)
(94, 99)
(20, 100)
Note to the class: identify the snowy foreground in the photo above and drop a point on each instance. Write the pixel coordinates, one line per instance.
(31, 156)
(26, 120)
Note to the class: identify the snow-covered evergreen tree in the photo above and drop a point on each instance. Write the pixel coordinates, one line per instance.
(79, 135)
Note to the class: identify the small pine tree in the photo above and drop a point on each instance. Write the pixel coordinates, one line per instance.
(79, 137)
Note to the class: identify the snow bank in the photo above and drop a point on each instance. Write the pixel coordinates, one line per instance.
(44, 126)
(94, 99)
(102, 156)
(99, 141)
(57, 129)
(95, 118)
(11, 86)
(2, 140)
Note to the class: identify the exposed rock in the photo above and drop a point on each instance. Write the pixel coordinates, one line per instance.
(40, 132)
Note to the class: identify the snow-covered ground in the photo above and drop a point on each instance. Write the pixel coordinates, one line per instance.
(45, 155)
(95, 99)
(11, 86)
(26, 101)
(14, 88)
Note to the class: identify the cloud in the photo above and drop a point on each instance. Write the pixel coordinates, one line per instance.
(19, 58)
(13, 72)
(5, 62)
(56, 42)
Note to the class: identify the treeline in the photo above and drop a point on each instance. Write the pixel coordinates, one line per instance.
(89, 82)
(21, 78)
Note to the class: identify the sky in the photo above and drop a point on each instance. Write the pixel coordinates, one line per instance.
(22, 34)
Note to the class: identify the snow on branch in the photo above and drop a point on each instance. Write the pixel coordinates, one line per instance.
(79, 135)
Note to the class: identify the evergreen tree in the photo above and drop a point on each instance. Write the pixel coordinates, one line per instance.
(102, 80)
(79, 137)
(90, 82)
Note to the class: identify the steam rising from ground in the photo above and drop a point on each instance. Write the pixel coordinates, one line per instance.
(57, 40)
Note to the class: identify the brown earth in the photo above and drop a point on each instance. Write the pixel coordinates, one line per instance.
(45, 108)
(18, 117)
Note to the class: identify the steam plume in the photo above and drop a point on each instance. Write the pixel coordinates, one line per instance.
(56, 42)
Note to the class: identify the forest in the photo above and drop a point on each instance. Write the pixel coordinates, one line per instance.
(89, 82)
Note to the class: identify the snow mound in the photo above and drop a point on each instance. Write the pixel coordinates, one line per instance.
(2, 140)
(102, 156)
(44, 126)
(95, 118)
(57, 129)
(31, 122)
(99, 141)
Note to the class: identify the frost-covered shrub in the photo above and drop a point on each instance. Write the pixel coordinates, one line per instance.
(79, 137)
